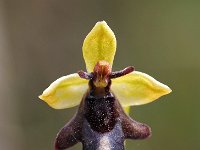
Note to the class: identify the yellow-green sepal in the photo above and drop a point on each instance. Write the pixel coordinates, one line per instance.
(99, 44)
(138, 88)
(65, 92)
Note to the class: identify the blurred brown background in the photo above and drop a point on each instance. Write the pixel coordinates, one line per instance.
(41, 40)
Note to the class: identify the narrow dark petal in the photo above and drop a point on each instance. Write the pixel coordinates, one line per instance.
(85, 75)
(122, 72)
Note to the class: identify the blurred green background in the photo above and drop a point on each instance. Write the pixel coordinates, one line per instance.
(41, 40)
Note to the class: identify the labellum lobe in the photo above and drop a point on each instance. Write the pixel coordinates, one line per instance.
(100, 121)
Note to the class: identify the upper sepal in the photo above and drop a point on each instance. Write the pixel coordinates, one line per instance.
(65, 92)
(138, 88)
(99, 44)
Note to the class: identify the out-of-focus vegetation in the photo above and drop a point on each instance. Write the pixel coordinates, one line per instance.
(41, 40)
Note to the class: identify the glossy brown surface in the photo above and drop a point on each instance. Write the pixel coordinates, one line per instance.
(100, 122)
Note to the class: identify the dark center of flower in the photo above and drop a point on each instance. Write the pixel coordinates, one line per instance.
(102, 74)
(102, 71)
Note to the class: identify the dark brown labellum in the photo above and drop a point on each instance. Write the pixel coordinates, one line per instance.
(100, 122)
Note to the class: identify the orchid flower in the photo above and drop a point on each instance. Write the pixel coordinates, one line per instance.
(97, 92)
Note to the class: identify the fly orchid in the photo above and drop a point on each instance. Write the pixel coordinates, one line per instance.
(103, 97)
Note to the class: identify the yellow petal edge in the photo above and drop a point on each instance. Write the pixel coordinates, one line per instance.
(65, 92)
(127, 109)
(99, 44)
(138, 88)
